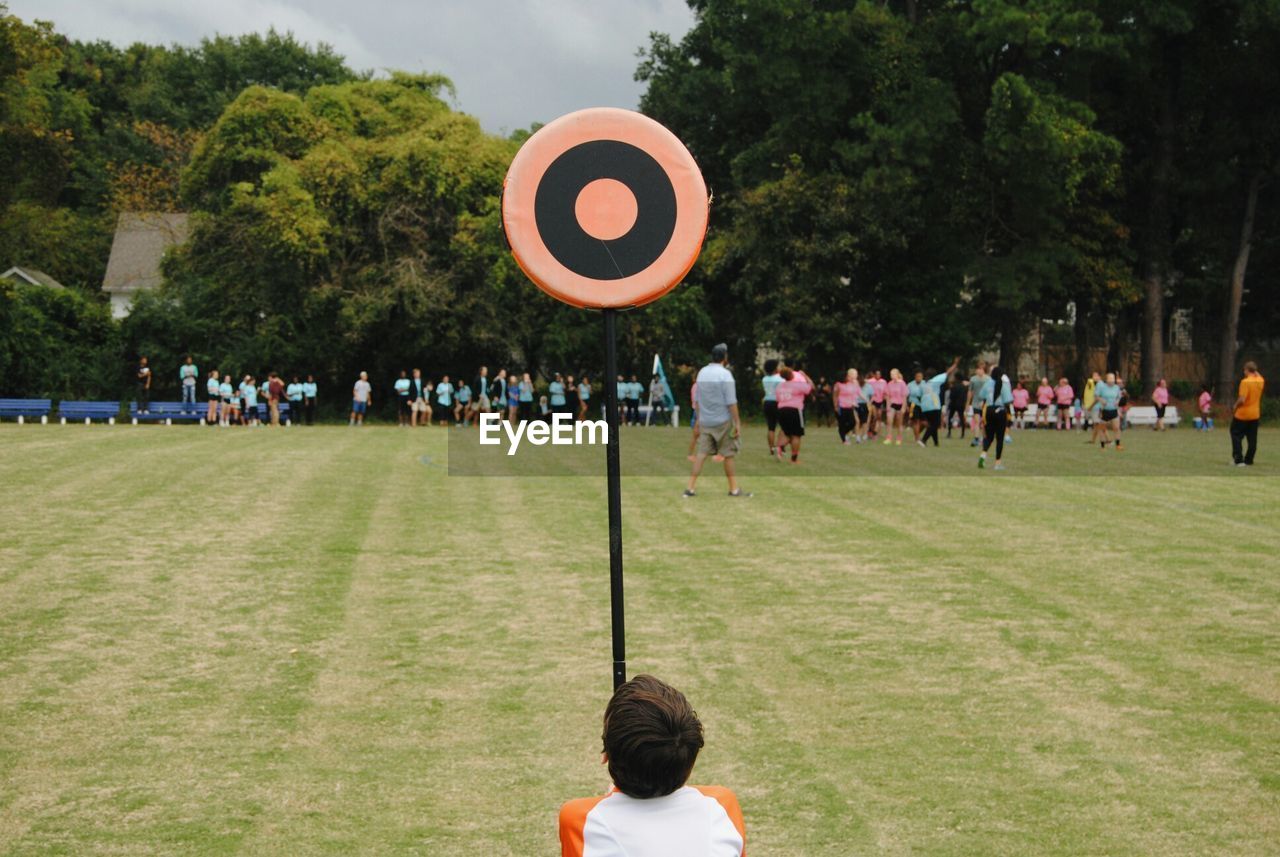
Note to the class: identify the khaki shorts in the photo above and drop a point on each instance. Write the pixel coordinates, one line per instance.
(718, 440)
(419, 406)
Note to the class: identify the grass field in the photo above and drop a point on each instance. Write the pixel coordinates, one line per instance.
(317, 641)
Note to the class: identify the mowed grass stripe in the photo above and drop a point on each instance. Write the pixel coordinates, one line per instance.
(200, 635)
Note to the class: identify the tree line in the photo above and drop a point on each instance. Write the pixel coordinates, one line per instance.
(895, 183)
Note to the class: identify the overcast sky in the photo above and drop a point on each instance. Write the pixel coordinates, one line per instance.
(514, 62)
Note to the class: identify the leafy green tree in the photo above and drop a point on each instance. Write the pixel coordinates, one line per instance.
(57, 343)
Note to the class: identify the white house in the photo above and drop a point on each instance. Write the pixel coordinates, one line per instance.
(142, 238)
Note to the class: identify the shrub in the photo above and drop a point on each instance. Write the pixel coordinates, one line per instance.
(57, 343)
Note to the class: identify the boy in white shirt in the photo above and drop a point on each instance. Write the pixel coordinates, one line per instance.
(651, 740)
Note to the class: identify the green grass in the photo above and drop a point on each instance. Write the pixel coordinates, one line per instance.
(320, 642)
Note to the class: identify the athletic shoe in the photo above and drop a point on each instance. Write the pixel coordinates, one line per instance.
(998, 466)
(687, 494)
(741, 493)
(1241, 464)
(982, 463)
(888, 441)
(845, 441)
(898, 442)
(920, 443)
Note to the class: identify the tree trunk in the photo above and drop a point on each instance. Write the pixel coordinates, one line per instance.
(1235, 292)
(1120, 345)
(1012, 333)
(1159, 229)
(1079, 367)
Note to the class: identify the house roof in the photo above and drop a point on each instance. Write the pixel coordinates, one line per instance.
(140, 242)
(31, 276)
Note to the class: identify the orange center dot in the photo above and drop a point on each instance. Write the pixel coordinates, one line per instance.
(606, 209)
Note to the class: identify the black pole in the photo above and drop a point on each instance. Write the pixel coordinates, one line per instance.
(615, 496)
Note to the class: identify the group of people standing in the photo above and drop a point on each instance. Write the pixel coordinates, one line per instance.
(231, 403)
(228, 402)
(421, 401)
(987, 403)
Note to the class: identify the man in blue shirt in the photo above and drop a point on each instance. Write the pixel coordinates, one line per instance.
(187, 374)
(929, 397)
(249, 391)
(481, 388)
(977, 401)
(418, 404)
(462, 406)
(718, 423)
(309, 399)
(404, 403)
(634, 391)
(294, 394)
(555, 392)
(444, 398)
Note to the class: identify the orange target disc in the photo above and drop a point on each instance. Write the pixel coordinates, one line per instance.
(604, 208)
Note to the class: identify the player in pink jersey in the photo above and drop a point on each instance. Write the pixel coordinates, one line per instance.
(1064, 396)
(1160, 398)
(1044, 398)
(879, 418)
(1021, 397)
(790, 395)
(848, 395)
(895, 396)
(1206, 408)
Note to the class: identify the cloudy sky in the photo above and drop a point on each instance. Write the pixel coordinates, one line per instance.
(514, 62)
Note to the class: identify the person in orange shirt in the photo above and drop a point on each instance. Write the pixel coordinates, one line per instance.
(1246, 414)
(651, 740)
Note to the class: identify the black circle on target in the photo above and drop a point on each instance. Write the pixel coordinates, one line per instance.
(569, 243)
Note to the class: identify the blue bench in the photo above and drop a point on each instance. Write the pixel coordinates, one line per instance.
(88, 411)
(23, 408)
(264, 413)
(168, 412)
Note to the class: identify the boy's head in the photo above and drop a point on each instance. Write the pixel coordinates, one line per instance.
(652, 737)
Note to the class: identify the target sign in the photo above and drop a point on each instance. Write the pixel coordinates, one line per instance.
(604, 208)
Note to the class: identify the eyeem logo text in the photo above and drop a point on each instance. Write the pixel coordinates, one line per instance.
(561, 431)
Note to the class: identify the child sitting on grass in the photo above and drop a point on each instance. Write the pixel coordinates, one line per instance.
(651, 740)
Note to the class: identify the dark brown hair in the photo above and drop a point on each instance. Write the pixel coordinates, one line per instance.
(652, 737)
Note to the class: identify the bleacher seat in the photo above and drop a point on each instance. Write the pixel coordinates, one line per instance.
(169, 412)
(88, 411)
(264, 413)
(26, 408)
(1146, 416)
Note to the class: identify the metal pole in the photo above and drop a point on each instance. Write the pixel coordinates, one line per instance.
(615, 496)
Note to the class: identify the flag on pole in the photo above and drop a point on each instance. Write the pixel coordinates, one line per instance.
(668, 400)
